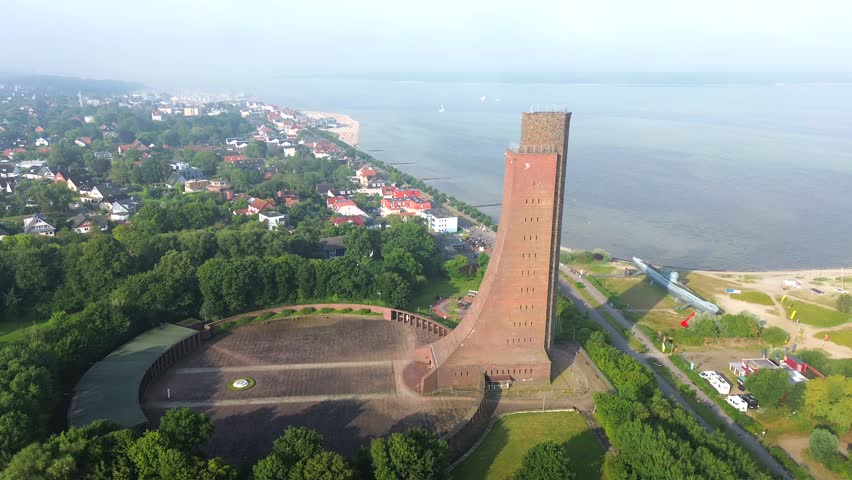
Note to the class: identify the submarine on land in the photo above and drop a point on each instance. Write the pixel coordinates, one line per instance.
(671, 284)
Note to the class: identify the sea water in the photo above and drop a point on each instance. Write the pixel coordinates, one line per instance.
(720, 175)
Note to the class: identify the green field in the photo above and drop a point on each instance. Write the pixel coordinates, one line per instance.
(815, 315)
(424, 296)
(773, 336)
(758, 298)
(840, 337)
(500, 454)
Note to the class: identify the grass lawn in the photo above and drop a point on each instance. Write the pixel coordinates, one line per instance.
(598, 268)
(815, 315)
(424, 297)
(840, 337)
(636, 292)
(758, 298)
(12, 331)
(500, 454)
(705, 285)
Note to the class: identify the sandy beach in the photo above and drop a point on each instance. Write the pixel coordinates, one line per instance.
(348, 132)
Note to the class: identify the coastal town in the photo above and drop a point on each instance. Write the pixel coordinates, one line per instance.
(364, 195)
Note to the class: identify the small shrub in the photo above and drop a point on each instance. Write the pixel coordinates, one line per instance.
(824, 445)
(363, 311)
(345, 310)
(263, 317)
(579, 285)
(326, 310)
(306, 311)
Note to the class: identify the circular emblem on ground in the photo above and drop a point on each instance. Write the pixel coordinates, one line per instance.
(241, 384)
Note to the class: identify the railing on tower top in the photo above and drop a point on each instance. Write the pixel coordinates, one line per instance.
(548, 108)
(520, 149)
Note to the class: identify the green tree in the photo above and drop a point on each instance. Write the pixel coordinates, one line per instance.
(95, 452)
(482, 264)
(768, 386)
(844, 303)
(830, 399)
(457, 267)
(270, 468)
(394, 290)
(297, 443)
(545, 461)
(184, 429)
(415, 455)
(102, 263)
(402, 262)
(256, 149)
(207, 161)
(322, 466)
(824, 445)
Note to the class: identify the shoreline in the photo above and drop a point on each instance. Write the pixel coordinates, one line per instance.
(348, 132)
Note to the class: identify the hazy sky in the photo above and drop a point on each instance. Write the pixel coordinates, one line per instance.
(159, 41)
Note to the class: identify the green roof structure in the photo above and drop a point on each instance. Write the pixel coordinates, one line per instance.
(110, 389)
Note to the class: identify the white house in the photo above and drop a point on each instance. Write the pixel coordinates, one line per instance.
(81, 223)
(122, 210)
(3, 234)
(41, 142)
(440, 220)
(289, 151)
(38, 225)
(272, 219)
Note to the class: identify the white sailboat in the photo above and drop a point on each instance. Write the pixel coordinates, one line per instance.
(441, 110)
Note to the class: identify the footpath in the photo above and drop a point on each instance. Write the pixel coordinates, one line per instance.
(618, 340)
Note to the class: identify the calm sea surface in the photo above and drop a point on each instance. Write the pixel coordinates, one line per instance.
(749, 176)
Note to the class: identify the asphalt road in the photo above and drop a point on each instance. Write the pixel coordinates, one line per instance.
(746, 439)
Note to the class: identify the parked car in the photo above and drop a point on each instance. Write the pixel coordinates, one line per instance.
(750, 400)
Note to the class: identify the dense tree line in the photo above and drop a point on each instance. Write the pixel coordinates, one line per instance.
(654, 438)
(105, 451)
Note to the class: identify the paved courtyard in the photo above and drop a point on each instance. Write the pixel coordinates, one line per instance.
(342, 376)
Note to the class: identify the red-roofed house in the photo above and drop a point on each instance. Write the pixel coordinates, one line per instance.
(290, 198)
(345, 207)
(39, 129)
(401, 194)
(136, 145)
(364, 174)
(323, 149)
(406, 207)
(257, 205)
(234, 158)
(336, 221)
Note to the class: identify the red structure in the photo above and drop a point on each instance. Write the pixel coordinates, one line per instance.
(508, 330)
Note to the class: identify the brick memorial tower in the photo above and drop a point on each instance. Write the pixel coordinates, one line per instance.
(508, 330)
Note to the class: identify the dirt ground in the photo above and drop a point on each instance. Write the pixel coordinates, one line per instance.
(772, 283)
